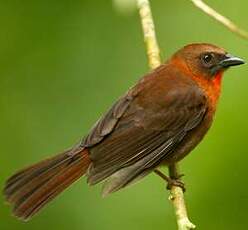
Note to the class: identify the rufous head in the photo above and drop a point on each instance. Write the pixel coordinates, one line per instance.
(205, 64)
(205, 60)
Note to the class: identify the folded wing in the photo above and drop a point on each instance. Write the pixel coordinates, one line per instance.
(137, 134)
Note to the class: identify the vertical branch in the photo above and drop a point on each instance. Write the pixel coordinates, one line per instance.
(178, 202)
(176, 193)
(149, 33)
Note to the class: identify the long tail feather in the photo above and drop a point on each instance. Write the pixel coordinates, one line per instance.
(32, 188)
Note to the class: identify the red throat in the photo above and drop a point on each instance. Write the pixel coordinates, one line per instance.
(217, 79)
(215, 88)
(212, 87)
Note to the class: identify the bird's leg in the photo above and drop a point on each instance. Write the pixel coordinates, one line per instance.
(173, 179)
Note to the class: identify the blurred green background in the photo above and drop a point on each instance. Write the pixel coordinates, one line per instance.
(63, 63)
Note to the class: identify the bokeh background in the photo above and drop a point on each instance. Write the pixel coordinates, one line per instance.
(63, 63)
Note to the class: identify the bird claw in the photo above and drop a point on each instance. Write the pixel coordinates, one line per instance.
(180, 176)
(175, 182)
(172, 181)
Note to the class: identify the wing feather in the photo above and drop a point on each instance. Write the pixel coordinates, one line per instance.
(137, 134)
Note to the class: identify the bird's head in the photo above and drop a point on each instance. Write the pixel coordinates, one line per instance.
(205, 60)
(205, 63)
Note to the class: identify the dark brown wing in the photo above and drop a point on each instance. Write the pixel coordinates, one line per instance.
(143, 128)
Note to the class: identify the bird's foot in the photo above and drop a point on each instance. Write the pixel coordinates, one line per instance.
(175, 182)
(171, 181)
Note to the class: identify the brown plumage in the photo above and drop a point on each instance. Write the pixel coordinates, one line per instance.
(158, 121)
(30, 189)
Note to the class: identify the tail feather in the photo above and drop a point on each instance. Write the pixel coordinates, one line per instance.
(32, 178)
(32, 188)
(27, 174)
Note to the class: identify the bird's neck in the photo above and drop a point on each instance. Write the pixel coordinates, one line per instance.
(212, 87)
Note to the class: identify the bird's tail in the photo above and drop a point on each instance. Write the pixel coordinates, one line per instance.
(32, 188)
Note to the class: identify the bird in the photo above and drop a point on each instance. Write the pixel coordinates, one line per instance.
(156, 122)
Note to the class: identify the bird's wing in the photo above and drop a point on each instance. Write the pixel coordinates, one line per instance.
(143, 128)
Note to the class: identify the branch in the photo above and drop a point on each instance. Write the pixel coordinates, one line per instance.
(149, 33)
(177, 199)
(176, 193)
(220, 18)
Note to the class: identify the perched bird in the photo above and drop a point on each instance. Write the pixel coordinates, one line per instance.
(158, 121)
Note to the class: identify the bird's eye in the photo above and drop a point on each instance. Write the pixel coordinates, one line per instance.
(207, 58)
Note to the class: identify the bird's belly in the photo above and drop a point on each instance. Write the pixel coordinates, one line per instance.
(190, 141)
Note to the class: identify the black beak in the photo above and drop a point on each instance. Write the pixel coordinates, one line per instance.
(230, 60)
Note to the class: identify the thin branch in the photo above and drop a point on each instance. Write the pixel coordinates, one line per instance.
(177, 199)
(149, 33)
(176, 193)
(220, 18)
